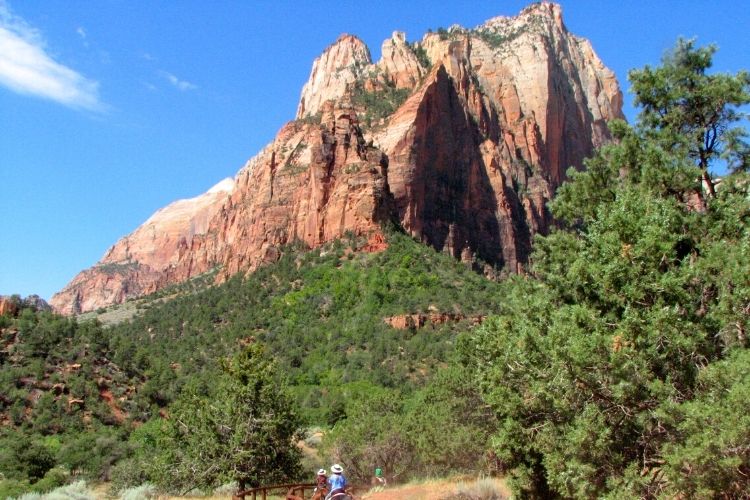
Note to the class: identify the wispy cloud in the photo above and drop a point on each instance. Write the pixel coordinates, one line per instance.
(180, 84)
(26, 68)
(82, 33)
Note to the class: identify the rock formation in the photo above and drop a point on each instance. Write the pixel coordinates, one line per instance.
(418, 321)
(8, 306)
(11, 305)
(462, 138)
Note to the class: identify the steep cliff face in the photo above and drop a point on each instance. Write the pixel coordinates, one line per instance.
(314, 183)
(333, 73)
(462, 138)
(480, 147)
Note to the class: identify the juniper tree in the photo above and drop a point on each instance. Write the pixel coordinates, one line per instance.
(593, 365)
(245, 431)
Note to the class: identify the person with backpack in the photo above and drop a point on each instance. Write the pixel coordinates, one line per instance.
(379, 478)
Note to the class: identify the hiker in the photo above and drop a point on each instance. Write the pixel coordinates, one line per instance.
(321, 480)
(336, 481)
(379, 476)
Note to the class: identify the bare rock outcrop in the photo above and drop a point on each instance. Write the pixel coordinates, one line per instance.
(419, 320)
(399, 65)
(313, 184)
(462, 138)
(8, 306)
(11, 305)
(480, 147)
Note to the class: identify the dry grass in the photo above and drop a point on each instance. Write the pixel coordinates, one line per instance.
(444, 489)
(481, 489)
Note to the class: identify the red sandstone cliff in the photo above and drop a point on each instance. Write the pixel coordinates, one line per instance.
(484, 124)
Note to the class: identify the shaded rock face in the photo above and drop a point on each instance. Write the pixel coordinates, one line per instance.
(480, 147)
(468, 135)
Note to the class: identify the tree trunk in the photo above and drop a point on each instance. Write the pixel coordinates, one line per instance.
(708, 183)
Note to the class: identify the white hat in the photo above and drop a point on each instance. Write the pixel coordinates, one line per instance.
(337, 469)
(322, 472)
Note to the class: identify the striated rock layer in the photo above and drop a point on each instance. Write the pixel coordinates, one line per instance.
(462, 138)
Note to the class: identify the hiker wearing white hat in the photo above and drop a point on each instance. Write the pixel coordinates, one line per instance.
(321, 481)
(336, 481)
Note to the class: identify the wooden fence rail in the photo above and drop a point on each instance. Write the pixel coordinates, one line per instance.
(262, 491)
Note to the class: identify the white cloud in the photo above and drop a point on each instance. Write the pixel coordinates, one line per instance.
(26, 68)
(180, 84)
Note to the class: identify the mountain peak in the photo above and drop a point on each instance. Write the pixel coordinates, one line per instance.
(224, 186)
(544, 12)
(340, 64)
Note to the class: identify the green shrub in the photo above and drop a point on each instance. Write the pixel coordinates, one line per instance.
(378, 104)
(54, 478)
(11, 488)
(618, 368)
(421, 53)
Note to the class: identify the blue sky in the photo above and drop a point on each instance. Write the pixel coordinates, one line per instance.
(110, 110)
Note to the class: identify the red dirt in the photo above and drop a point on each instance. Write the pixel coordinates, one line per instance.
(109, 398)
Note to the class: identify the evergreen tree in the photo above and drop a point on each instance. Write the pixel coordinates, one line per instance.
(684, 107)
(594, 365)
(245, 430)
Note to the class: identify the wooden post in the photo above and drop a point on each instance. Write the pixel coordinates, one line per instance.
(264, 494)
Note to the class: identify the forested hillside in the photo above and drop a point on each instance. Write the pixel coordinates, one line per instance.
(81, 388)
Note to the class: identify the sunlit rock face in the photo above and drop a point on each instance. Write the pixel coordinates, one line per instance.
(461, 138)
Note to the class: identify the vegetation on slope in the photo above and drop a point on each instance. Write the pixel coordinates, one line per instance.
(619, 367)
(319, 313)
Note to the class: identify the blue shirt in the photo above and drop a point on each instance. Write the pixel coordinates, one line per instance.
(337, 481)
